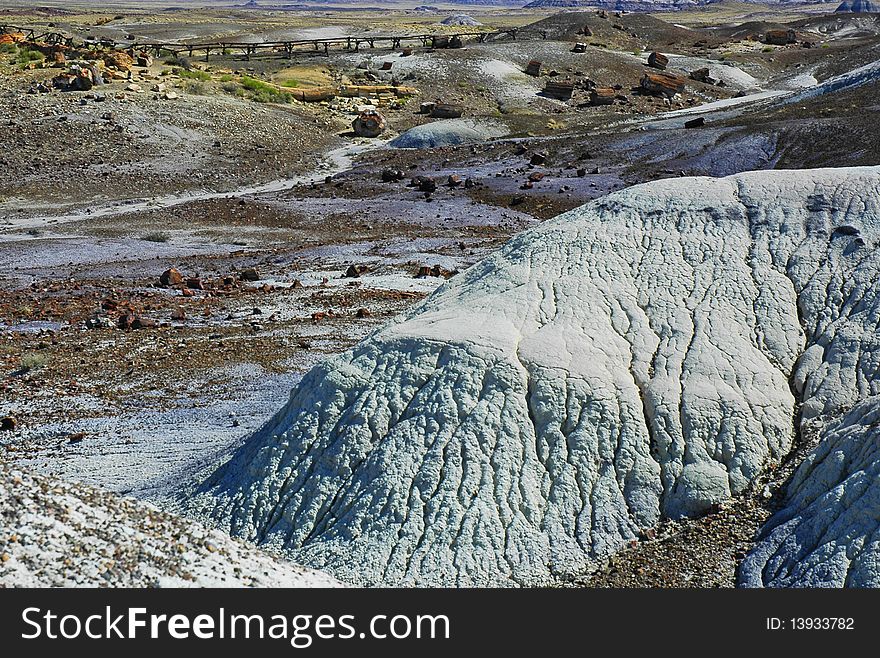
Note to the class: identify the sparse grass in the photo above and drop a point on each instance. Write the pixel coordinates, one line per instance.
(193, 74)
(260, 92)
(26, 56)
(156, 237)
(33, 361)
(767, 49)
(196, 88)
(227, 77)
(290, 84)
(8, 49)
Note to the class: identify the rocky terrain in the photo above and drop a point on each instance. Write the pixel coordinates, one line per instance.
(183, 243)
(58, 534)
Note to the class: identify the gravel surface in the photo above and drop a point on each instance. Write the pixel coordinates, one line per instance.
(56, 534)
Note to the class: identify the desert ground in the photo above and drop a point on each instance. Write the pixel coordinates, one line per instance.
(182, 243)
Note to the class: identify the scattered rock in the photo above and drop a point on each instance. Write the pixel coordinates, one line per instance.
(658, 61)
(249, 274)
(369, 123)
(170, 277)
(662, 84)
(447, 111)
(702, 75)
(392, 175)
(435, 271)
(354, 271)
(602, 96)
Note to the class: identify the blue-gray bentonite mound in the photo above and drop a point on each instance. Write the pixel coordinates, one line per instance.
(644, 356)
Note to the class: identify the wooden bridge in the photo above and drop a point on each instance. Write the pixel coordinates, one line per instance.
(32, 36)
(286, 48)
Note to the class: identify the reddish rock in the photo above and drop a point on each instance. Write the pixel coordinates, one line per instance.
(436, 270)
(369, 123)
(143, 323)
(170, 277)
(602, 96)
(662, 84)
(658, 61)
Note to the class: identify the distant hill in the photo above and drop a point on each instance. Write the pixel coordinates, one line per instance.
(670, 5)
(620, 5)
(859, 7)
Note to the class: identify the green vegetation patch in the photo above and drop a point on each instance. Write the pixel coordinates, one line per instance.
(260, 92)
(194, 74)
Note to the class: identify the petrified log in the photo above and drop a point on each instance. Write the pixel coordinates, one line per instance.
(662, 84)
(361, 91)
(313, 94)
(780, 37)
(658, 61)
(701, 75)
(446, 111)
(559, 90)
(602, 96)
